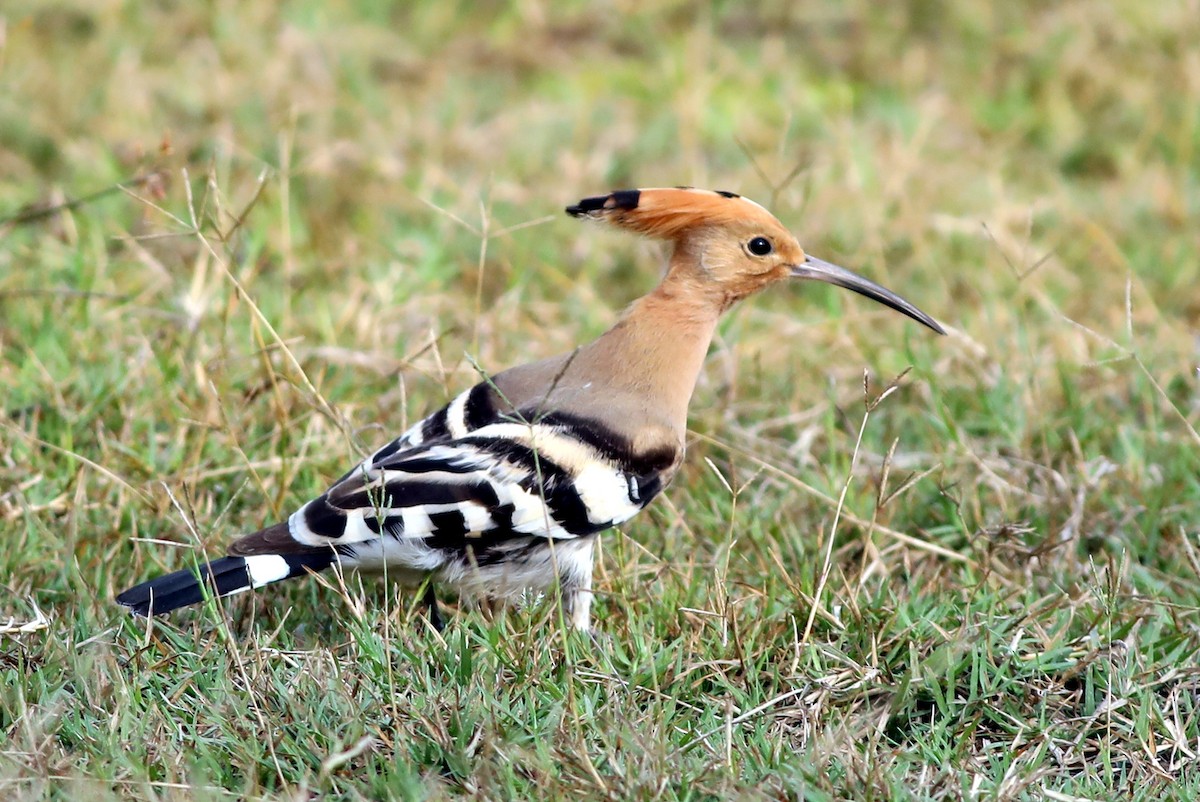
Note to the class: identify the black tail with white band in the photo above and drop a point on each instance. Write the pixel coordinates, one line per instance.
(224, 576)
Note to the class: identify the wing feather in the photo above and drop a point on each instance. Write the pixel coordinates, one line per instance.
(468, 477)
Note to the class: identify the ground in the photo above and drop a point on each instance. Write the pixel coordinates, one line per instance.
(301, 225)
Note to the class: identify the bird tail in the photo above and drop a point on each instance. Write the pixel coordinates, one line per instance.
(223, 577)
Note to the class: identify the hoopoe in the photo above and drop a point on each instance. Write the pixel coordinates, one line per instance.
(506, 488)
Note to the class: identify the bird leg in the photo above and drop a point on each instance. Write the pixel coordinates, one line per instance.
(431, 607)
(577, 605)
(576, 590)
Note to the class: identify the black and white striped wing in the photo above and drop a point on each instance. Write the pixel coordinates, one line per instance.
(450, 487)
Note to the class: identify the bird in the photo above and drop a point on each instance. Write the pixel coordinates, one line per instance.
(505, 489)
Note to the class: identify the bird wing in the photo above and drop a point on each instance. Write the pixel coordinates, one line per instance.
(469, 476)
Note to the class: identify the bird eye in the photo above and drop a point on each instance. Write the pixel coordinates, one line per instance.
(759, 246)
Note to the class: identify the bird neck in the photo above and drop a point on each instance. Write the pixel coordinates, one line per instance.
(656, 350)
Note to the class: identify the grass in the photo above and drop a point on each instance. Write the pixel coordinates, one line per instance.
(341, 202)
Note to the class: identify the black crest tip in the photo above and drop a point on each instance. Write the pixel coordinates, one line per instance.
(587, 206)
(621, 199)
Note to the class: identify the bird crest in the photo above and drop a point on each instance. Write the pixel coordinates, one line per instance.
(670, 213)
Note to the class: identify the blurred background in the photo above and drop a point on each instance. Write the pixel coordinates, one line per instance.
(385, 184)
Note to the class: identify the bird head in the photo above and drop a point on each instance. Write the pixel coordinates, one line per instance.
(728, 242)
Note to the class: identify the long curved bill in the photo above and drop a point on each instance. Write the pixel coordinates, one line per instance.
(820, 270)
